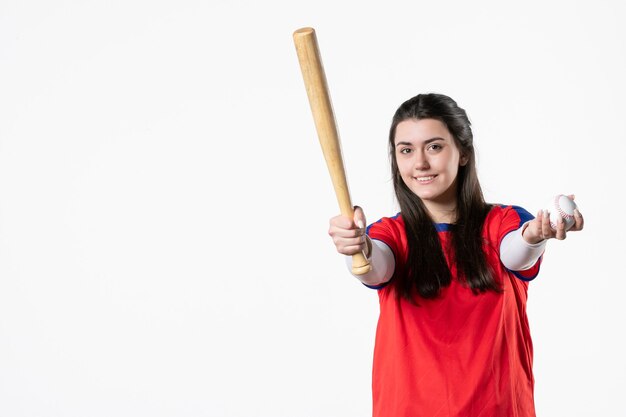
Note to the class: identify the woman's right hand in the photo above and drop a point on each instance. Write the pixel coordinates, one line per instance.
(349, 234)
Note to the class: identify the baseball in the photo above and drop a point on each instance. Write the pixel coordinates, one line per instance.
(561, 206)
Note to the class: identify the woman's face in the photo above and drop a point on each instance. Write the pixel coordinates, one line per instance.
(428, 160)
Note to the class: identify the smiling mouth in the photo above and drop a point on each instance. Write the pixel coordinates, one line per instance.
(425, 179)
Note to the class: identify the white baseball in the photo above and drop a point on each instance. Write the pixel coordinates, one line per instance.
(561, 206)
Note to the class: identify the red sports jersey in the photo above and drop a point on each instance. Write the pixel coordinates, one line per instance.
(460, 354)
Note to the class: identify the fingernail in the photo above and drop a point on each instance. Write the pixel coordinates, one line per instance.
(577, 213)
(360, 224)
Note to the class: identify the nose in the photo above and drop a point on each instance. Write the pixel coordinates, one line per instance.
(421, 162)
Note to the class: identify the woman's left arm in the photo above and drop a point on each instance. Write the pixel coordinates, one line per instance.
(520, 249)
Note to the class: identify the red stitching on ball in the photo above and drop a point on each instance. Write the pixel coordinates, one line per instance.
(563, 214)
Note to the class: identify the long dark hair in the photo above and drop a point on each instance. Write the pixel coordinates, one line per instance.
(427, 271)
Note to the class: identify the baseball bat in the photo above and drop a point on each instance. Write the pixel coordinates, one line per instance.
(326, 126)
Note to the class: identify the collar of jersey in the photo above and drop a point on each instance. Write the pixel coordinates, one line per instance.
(442, 227)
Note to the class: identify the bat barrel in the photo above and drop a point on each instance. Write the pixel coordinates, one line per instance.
(323, 115)
(326, 126)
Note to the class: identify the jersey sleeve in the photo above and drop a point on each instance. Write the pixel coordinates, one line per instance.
(513, 217)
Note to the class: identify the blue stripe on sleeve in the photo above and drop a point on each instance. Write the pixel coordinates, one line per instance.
(523, 278)
(367, 229)
(524, 215)
(377, 287)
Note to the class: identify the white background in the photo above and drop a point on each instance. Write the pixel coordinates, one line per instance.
(164, 202)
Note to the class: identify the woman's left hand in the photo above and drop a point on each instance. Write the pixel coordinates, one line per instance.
(539, 228)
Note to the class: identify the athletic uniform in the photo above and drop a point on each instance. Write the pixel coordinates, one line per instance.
(460, 354)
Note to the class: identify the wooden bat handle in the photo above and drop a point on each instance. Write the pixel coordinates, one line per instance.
(321, 107)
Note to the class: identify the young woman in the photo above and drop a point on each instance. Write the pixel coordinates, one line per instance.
(452, 275)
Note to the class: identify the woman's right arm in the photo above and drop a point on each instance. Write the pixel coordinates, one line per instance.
(349, 238)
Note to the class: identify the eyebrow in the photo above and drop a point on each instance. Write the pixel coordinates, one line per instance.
(426, 142)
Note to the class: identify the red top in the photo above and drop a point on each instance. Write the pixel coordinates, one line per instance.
(460, 354)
